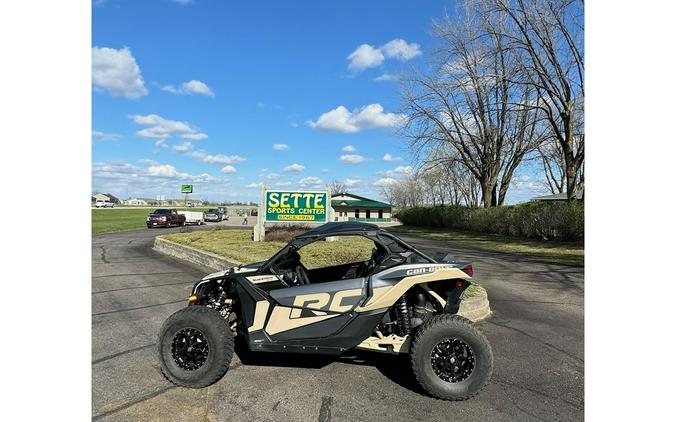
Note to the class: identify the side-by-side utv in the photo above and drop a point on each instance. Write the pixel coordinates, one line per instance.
(399, 301)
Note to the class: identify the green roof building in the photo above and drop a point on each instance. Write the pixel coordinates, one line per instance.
(350, 207)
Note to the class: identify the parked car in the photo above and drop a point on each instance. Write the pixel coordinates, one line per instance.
(165, 217)
(193, 217)
(400, 301)
(213, 214)
(104, 204)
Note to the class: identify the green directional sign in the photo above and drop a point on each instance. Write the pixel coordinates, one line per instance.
(185, 188)
(295, 206)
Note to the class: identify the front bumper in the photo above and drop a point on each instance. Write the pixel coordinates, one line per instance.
(156, 223)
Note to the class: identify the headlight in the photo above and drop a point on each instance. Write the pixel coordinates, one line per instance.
(163, 218)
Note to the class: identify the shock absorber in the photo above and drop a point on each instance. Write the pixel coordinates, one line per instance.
(403, 316)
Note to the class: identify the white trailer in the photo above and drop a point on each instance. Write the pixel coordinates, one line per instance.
(193, 217)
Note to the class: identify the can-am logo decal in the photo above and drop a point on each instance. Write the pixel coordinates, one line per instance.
(425, 270)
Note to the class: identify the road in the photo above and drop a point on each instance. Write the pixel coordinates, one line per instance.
(537, 335)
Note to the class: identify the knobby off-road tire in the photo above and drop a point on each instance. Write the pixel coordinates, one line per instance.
(435, 331)
(219, 339)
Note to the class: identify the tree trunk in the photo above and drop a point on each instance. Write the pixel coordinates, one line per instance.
(487, 190)
(570, 162)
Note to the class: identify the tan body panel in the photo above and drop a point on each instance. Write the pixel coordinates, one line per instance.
(261, 308)
(384, 297)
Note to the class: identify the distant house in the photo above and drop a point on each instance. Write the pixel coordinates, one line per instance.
(101, 197)
(135, 201)
(350, 207)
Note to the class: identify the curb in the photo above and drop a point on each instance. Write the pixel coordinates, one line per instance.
(476, 308)
(193, 255)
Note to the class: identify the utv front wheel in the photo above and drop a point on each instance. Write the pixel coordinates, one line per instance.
(195, 347)
(451, 358)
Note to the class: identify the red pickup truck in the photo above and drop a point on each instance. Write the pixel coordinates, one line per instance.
(165, 217)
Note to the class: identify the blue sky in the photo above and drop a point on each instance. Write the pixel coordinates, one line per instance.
(201, 92)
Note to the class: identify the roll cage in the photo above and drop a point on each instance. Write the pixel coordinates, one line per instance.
(391, 250)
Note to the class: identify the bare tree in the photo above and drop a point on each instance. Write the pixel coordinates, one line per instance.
(470, 106)
(548, 36)
(336, 186)
(438, 183)
(551, 157)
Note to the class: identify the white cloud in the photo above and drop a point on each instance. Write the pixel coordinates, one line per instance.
(400, 50)
(280, 147)
(159, 144)
(310, 182)
(165, 170)
(194, 136)
(365, 56)
(148, 162)
(352, 182)
(269, 176)
(161, 128)
(294, 168)
(203, 156)
(102, 136)
(349, 148)
(116, 72)
(403, 170)
(398, 171)
(389, 157)
(228, 170)
(351, 158)
(254, 185)
(368, 117)
(385, 181)
(386, 77)
(121, 178)
(192, 87)
(282, 183)
(183, 147)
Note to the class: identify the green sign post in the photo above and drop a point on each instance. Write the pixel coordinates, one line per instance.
(296, 206)
(185, 188)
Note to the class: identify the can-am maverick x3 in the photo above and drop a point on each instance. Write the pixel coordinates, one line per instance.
(399, 301)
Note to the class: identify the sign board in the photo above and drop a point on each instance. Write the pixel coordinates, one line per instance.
(185, 188)
(296, 206)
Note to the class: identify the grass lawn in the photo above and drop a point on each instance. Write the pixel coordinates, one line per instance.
(116, 219)
(568, 253)
(238, 245)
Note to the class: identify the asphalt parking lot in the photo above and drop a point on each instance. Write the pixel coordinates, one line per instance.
(537, 335)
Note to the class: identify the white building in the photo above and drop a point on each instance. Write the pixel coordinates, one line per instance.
(350, 207)
(135, 201)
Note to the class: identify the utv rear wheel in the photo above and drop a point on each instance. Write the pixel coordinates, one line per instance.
(195, 347)
(451, 358)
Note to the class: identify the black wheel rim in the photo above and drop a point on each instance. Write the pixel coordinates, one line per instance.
(452, 360)
(189, 349)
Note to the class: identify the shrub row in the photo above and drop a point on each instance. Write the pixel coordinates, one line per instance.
(541, 220)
